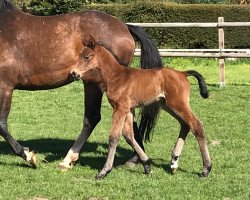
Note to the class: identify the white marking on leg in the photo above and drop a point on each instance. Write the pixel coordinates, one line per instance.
(30, 156)
(176, 153)
(68, 161)
(174, 164)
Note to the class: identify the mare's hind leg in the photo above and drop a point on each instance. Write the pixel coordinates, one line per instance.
(185, 116)
(129, 136)
(92, 103)
(5, 104)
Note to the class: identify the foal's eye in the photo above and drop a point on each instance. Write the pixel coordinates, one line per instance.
(86, 58)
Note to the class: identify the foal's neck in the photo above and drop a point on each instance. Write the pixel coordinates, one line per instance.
(111, 70)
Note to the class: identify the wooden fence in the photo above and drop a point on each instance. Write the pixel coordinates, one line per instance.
(221, 53)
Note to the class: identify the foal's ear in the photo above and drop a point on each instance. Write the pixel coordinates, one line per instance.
(90, 42)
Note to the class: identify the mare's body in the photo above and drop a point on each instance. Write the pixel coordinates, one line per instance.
(38, 52)
(128, 88)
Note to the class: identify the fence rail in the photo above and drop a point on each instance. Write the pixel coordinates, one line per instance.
(221, 53)
(196, 25)
(202, 53)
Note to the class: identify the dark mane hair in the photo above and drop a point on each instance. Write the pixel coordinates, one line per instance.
(6, 5)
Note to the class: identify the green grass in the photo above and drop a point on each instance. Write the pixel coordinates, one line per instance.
(49, 121)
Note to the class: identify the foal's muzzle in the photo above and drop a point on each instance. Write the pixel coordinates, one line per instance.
(75, 75)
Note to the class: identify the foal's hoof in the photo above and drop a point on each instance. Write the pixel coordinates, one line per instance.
(147, 170)
(133, 161)
(174, 170)
(31, 157)
(205, 171)
(100, 176)
(203, 174)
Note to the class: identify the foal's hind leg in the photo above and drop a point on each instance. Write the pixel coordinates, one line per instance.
(185, 116)
(178, 147)
(5, 104)
(92, 103)
(180, 140)
(135, 158)
(129, 136)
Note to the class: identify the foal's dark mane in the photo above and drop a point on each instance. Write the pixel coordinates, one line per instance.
(7, 5)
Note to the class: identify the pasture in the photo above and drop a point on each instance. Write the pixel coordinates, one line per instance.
(49, 121)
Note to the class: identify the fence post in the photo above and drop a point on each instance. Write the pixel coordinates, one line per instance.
(221, 60)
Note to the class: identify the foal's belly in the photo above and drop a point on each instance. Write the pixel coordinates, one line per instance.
(148, 99)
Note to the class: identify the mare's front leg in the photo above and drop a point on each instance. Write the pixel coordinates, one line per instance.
(118, 118)
(92, 115)
(5, 104)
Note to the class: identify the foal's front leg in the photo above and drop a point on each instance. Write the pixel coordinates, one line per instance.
(129, 136)
(118, 118)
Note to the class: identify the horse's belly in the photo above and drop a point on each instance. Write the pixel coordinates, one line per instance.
(44, 81)
(147, 99)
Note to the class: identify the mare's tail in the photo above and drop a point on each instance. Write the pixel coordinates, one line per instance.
(150, 58)
(201, 81)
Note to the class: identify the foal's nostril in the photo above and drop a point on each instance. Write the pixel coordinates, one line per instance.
(74, 75)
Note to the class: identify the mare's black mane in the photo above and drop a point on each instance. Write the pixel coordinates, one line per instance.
(6, 5)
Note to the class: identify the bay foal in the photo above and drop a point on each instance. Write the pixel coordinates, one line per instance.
(128, 88)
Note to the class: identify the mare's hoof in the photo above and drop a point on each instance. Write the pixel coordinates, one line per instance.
(33, 160)
(30, 157)
(65, 166)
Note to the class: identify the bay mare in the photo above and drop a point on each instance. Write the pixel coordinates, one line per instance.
(37, 53)
(128, 88)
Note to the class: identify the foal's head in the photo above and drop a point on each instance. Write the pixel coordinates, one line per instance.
(88, 61)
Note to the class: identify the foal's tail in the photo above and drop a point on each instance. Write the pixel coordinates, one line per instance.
(150, 58)
(201, 81)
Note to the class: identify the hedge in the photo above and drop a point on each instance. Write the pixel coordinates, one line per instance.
(238, 37)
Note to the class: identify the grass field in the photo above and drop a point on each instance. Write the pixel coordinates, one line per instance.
(49, 121)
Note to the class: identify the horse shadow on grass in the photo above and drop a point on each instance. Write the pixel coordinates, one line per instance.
(166, 166)
(56, 149)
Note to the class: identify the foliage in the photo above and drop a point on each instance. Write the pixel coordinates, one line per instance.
(48, 7)
(207, 1)
(185, 37)
(49, 122)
